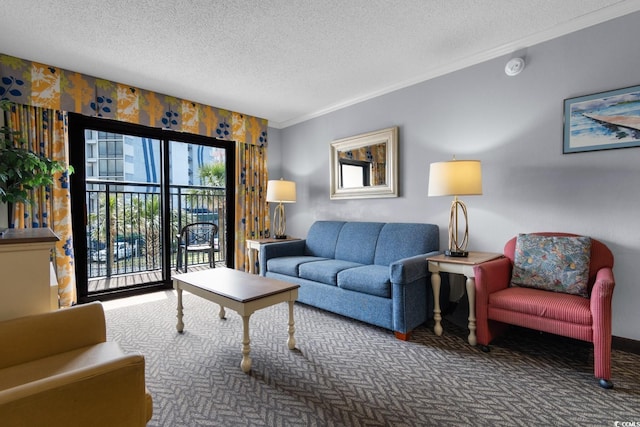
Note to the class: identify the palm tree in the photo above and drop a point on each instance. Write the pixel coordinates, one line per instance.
(146, 220)
(105, 223)
(213, 174)
(138, 220)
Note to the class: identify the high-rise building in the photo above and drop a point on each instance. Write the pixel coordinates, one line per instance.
(116, 157)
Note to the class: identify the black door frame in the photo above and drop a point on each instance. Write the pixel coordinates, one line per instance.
(77, 125)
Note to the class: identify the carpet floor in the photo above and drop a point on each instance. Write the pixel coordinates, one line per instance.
(347, 373)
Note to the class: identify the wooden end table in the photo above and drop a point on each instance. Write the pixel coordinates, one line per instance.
(254, 246)
(464, 266)
(242, 292)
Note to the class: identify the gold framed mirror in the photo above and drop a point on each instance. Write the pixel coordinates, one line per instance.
(365, 166)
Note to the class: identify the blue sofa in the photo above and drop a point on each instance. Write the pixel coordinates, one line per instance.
(370, 271)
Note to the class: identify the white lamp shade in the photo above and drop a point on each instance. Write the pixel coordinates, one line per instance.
(455, 178)
(281, 191)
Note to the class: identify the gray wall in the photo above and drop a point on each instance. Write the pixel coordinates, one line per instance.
(514, 125)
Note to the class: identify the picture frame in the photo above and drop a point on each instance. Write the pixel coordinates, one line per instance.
(365, 166)
(602, 121)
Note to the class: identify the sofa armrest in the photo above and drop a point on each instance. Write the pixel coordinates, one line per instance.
(109, 393)
(280, 249)
(41, 335)
(410, 269)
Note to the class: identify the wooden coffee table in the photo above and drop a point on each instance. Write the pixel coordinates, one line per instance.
(242, 292)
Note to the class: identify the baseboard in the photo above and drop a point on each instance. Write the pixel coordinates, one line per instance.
(625, 344)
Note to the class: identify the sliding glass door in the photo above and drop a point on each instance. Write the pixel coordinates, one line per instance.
(133, 190)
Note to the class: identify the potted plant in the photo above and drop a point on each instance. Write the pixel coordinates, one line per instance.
(21, 170)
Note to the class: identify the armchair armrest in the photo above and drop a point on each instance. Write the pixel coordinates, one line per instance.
(600, 304)
(600, 299)
(491, 277)
(97, 386)
(42, 335)
(410, 269)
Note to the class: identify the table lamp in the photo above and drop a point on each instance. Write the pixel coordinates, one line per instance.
(280, 191)
(456, 178)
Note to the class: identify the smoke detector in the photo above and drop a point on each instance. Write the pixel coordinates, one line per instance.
(514, 67)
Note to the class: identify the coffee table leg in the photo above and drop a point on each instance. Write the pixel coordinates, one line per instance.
(246, 360)
(291, 342)
(180, 325)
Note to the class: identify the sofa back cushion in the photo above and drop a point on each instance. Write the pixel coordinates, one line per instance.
(357, 242)
(403, 240)
(322, 238)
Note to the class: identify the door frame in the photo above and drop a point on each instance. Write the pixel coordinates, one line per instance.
(77, 124)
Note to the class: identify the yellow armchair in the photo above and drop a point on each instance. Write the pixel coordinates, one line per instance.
(58, 369)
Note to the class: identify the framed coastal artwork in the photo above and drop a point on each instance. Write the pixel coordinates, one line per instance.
(602, 121)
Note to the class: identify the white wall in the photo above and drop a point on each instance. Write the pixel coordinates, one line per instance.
(514, 125)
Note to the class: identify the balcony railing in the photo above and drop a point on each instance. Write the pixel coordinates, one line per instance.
(124, 225)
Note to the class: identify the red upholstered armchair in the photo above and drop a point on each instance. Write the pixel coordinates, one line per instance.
(589, 319)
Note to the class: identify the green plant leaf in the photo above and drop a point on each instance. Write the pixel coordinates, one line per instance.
(22, 170)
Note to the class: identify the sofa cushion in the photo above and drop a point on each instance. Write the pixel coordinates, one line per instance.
(552, 263)
(322, 238)
(324, 271)
(539, 303)
(289, 265)
(403, 240)
(368, 279)
(357, 241)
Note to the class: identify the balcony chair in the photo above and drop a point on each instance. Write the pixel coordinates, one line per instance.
(58, 369)
(532, 287)
(196, 237)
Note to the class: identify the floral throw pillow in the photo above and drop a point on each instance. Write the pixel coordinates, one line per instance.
(552, 263)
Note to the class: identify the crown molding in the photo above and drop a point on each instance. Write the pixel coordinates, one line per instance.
(585, 21)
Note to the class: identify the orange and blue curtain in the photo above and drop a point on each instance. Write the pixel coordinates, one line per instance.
(58, 91)
(45, 133)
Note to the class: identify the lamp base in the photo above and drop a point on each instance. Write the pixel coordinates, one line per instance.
(280, 237)
(456, 254)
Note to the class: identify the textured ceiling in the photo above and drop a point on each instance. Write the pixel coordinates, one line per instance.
(284, 60)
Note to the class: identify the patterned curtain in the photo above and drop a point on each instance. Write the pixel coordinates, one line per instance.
(252, 214)
(40, 85)
(45, 132)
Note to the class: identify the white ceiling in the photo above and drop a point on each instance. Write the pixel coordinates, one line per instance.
(284, 60)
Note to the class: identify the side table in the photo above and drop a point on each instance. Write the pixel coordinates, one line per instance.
(464, 266)
(254, 246)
